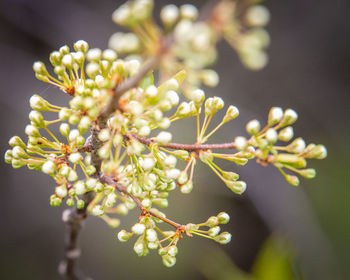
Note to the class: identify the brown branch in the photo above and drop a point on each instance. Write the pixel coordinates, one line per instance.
(186, 147)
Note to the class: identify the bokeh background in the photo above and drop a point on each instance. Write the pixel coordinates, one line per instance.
(309, 225)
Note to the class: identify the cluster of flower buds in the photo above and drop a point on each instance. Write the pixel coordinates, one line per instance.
(150, 237)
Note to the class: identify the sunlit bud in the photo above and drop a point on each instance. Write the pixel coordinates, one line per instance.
(189, 11)
(123, 235)
(67, 60)
(147, 164)
(48, 167)
(70, 202)
(253, 127)
(289, 117)
(169, 14)
(297, 146)
(319, 152)
(73, 134)
(94, 54)
(151, 235)
(230, 175)
(120, 15)
(55, 201)
(133, 66)
(80, 204)
(84, 124)
(223, 238)
(98, 210)
(72, 175)
(61, 191)
(75, 158)
(183, 110)
(37, 119)
(81, 46)
(214, 231)
(163, 137)
(151, 91)
(240, 143)
(111, 200)
(38, 103)
(206, 156)
(172, 174)
(271, 135)
(231, 113)
(223, 217)
(17, 141)
(55, 58)
(169, 261)
(138, 228)
(187, 187)
(18, 153)
(181, 154)
(40, 68)
(64, 129)
(8, 156)
(80, 188)
(99, 187)
(309, 173)
(103, 152)
(275, 115)
(212, 221)
(64, 114)
(104, 135)
(134, 108)
(286, 134)
(173, 97)
(258, 15)
(293, 180)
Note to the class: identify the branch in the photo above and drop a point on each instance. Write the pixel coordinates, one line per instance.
(186, 147)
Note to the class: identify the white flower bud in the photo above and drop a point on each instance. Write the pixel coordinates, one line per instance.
(134, 107)
(223, 238)
(67, 60)
(38, 103)
(183, 110)
(61, 191)
(73, 134)
(258, 15)
(144, 131)
(163, 137)
(48, 167)
(64, 114)
(170, 161)
(210, 78)
(151, 235)
(172, 251)
(81, 45)
(72, 176)
(173, 97)
(146, 203)
(98, 210)
(173, 174)
(109, 55)
(64, 129)
(147, 164)
(168, 260)
(39, 68)
(151, 91)
(286, 134)
(120, 15)
(240, 143)
(92, 69)
(94, 54)
(231, 113)
(75, 158)
(275, 115)
(104, 135)
(253, 127)
(111, 199)
(80, 188)
(123, 236)
(187, 187)
(189, 11)
(214, 231)
(133, 66)
(37, 119)
(138, 228)
(297, 146)
(271, 135)
(289, 117)
(140, 249)
(223, 217)
(169, 14)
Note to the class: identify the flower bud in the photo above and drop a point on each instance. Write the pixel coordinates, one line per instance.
(8, 156)
(109, 55)
(39, 68)
(80, 188)
(18, 152)
(271, 136)
(55, 58)
(75, 158)
(172, 250)
(151, 91)
(183, 110)
(291, 159)
(257, 15)
(94, 54)
(240, 143)
(38, 103)
(81, 46)
(253, 127)
(70, 202)
(286, 134)
(48, 167)
(223, 238)
(98, 210)
(37, 119)
(67, 61)
(138, 228)
(212, 221)
(73, 134)
(55, 201)
(308, 173)
(297, 146)
(206, 156)
(151, 235)
(293, 180)
(72, 175)
(182, 154)
(124, 236)
(163, 137)
(111, 200)
(104, 135)
(170, 161)
(289, 117)
(214, 231)
(61, 191)
(173, 97)
(168, 260)
(210, 78)
(64, 114)
(223, 217)
(80, 204)
(231, 113)
(275, 115)
(169, 14)
(319, 152)
(189, 11)
(187, 187)
(140, 248)
(64, 129)
(18, 163)
(17, 141)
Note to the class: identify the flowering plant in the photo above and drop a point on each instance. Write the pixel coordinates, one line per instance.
(114, 151)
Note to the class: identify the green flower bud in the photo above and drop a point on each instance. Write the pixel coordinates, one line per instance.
(8, 156)
(70, 202)
(168, 260)
(81, 46)
(80, 204)
(293, 180)
(17, 163)
(17, 141)
(309, 173)
(212, 221)
(39, 68)
(161, 202)
(31, 130)
(18, 153)
(181, 154)
(37, 119)
(140, 247)
(64, 129)
(223, 238)
(292, 160)
(55, 201)
(214, 231)
(289, 117)
(275, 115)
(286, 134)
(237, 187)
(38, 103)
(231, 113)
(223, 217)
(64, 113)
(297, 146)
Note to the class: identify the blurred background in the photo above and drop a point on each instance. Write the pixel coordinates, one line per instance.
(279, 232)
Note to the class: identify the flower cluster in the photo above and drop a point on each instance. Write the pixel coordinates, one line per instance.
(130, 160)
